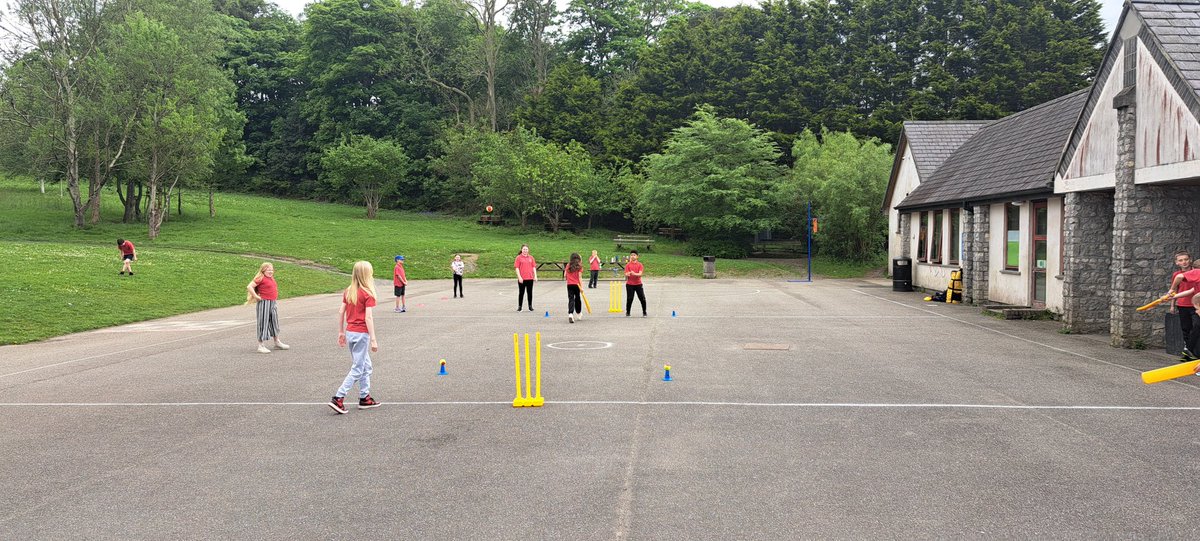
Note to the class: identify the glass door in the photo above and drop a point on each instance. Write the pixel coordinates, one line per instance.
(1039, 253)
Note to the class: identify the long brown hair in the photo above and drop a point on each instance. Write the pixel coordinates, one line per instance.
(576, 263)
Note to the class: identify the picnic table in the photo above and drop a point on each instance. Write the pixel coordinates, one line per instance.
(560, 265)
(491, 219)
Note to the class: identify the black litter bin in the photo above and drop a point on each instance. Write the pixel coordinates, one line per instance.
(1174, 334)
(710, 266)
(902, 274)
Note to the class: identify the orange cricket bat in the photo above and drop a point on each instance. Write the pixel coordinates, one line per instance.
(1170, 372)
(1154, 303)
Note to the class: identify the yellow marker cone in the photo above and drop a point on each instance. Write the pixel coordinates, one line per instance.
(1170, 372)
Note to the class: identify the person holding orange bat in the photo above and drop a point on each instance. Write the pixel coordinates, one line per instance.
(1183, 291)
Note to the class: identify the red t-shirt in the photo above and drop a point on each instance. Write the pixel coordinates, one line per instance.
(595, 261)
(398, 278)
(525, 264)
(574, 278)
(636, 266)
(1191, 279)
(267, 288)
(126, 249)
(1181, 301)
(356, 314)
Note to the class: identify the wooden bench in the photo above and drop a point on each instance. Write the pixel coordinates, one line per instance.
(670, 232)
(633, 241)
(782, 247)
(562, 226)
(490, 219)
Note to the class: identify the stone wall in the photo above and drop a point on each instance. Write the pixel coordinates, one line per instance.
(1150, 223)
(1087, 261)
(906, 235)
(977, 257)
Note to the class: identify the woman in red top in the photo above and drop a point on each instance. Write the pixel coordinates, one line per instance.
(574, 276)
(264, 290)
(526, 268)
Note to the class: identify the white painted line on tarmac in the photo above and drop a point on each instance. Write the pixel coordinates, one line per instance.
(1002, 333)
(810, 405)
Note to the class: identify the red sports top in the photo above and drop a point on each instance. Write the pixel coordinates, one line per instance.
(267, 288)
(574, 278)
(636, 266)
(525, 264)
(398, 277)
(356, 314)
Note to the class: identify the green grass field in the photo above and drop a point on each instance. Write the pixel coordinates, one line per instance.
(200, 262)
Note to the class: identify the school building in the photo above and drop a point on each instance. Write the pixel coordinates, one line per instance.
(1076, 205)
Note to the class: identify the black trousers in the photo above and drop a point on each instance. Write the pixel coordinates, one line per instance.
(1189, 323)
(574, 300)
(629, 291)
(523, 287)
(458, 285)
(593, 279)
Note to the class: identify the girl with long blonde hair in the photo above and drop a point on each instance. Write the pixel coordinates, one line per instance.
(356, 329)
(265, 292)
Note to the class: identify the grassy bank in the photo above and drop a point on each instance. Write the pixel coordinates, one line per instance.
(67, 278)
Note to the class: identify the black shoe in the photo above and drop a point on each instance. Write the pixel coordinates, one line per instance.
(367, 403)
(626, 314)
(122, 273)
(131, 273)
(1187, 357)
(518, 308)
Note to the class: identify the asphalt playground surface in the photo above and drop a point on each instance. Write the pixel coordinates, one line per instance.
(826, 410)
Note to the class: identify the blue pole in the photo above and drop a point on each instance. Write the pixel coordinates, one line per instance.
(810, 234)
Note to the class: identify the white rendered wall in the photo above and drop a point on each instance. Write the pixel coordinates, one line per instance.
(907, 180)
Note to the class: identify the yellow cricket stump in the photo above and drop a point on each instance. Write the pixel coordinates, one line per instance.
(1170, 372)
(528, 399)
(614, 297)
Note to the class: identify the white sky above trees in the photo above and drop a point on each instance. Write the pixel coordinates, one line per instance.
(1110, 10)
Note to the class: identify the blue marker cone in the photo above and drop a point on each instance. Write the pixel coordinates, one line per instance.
(667, 373)
(547, 313)
(672, 313)
(442, 371)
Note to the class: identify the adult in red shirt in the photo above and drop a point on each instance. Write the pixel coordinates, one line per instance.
(128, 254)
(633, 283)
(526, 268)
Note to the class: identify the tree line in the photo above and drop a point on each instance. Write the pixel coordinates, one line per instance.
(582, 113)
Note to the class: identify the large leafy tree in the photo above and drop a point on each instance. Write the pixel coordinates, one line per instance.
(716, 179)
(261, 60)
(360, 71)
(49, 47)
(844, 178)
(523, 174)
(571, 108)
(372, 168)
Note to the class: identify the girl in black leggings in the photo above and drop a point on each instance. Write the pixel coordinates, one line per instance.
(574, 275)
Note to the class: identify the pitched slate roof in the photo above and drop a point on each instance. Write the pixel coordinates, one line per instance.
(1176, 24)
(931, 143)
(934, 141)
(1016, 154)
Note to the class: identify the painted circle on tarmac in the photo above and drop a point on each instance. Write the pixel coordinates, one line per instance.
(581, 344)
